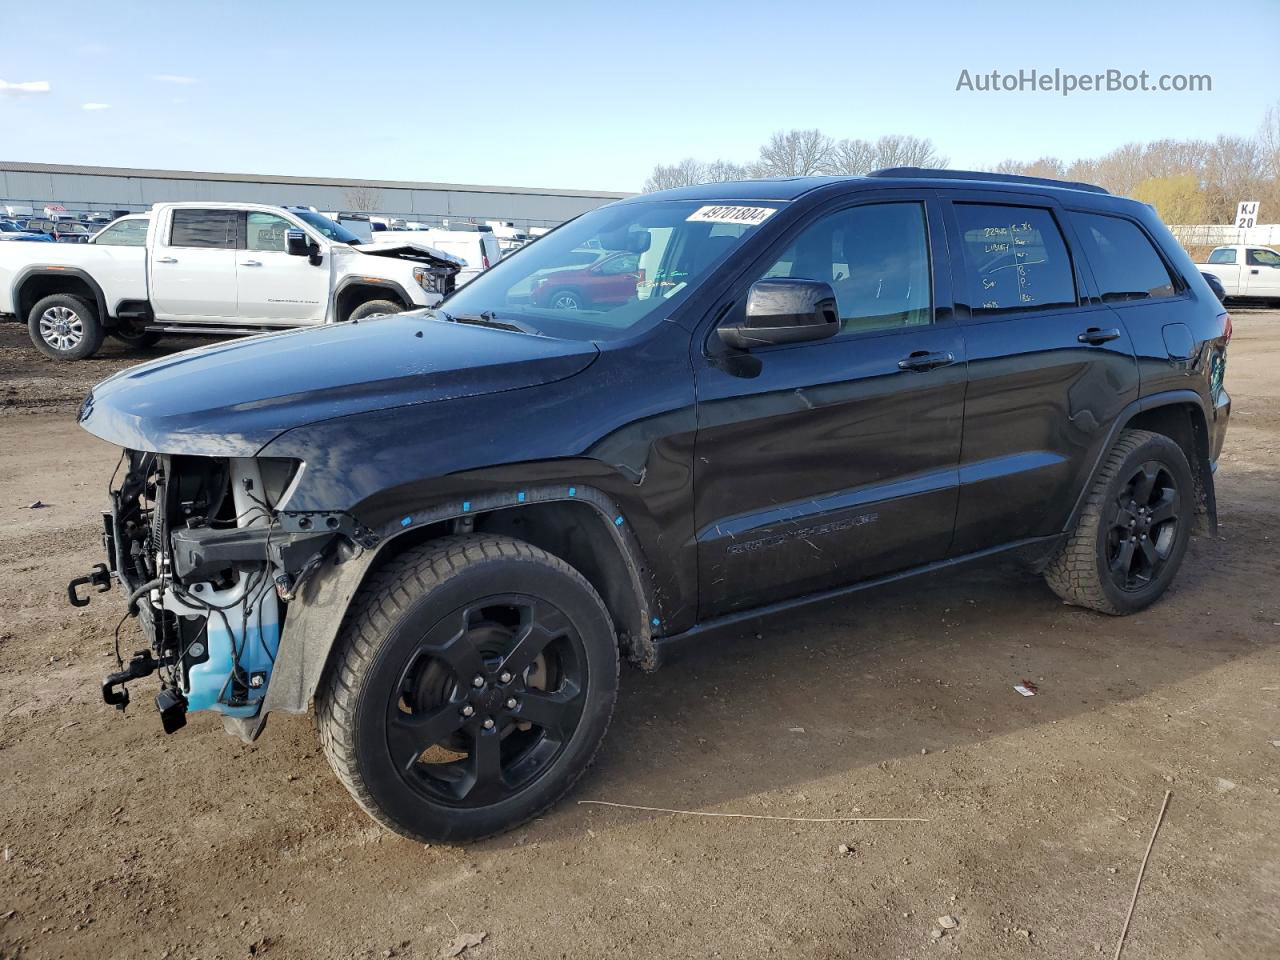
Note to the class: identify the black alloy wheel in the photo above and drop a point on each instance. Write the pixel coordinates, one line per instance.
(470, 687)
(488, 701)
(1145, 527)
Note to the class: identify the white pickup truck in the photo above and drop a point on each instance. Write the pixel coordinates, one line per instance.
(225, 268)
(1246, 270)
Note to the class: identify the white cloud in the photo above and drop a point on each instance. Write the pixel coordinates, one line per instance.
(95, 106)
(174, 78)
(20, 89)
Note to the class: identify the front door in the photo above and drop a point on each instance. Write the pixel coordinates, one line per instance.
(824, 463)
(274, 287)
(1049, 370)
(1261, 272)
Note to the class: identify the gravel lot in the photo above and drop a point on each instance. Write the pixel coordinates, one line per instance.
(121, 842)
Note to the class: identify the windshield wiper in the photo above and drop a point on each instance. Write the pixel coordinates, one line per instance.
(487, 318)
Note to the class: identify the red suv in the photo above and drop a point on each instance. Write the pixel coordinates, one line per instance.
(609, 281)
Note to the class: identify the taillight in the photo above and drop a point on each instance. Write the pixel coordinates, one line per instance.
(1226, 327)
(484, 261)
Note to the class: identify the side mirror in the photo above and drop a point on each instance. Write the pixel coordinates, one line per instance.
(784, 310)
(298, 244)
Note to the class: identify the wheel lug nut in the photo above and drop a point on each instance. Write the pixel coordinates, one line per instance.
(468, 710)
(478, 681)
(511, 703)
(505, 677)
(488, 723)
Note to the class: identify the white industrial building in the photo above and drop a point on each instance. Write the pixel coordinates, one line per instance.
(121, 188)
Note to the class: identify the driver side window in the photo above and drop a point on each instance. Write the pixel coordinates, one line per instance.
(266, 232)
(876, 258)
(626, 263)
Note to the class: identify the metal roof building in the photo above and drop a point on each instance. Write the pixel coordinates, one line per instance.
(118, 188)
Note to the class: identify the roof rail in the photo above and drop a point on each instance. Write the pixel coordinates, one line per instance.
(940, 174)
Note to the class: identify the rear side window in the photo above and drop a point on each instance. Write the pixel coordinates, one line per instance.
(1015, 259)
(1223, 255)
(204, 228)
(1125, 264)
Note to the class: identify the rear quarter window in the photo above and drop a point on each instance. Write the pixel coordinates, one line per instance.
(215, 229)
(1124, 261)
(1015, 259)
(1223, 255)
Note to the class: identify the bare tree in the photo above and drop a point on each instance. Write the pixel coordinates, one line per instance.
(795, 153)
(683, 174)
(1269, 138)
(851, 158)
(900, 150)
(1050, 168)
(720, 171)
(363, 198)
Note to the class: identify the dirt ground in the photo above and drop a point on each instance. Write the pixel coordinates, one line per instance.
(121, 842)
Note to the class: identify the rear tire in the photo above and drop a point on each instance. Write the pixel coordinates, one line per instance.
(374, 308)
(1133, 532)
(471, 686)
(65, 327)
(134, 336)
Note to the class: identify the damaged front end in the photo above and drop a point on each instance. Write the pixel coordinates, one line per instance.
(209, 564)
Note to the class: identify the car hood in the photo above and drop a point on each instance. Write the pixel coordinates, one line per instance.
(410, 249)
(232, 399)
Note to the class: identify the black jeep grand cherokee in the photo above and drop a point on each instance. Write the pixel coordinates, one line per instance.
(671, 414)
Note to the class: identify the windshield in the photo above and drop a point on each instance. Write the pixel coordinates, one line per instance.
(327, 227)
(610, 271)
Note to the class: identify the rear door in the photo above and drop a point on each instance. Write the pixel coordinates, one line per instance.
(272, 286)
(1050, 367)
(825, 463)
(193, 266)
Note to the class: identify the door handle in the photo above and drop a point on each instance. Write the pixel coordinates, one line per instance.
(1254, 272)
(1094, 336)
(166, 259)
(250, 263)
(923, 360)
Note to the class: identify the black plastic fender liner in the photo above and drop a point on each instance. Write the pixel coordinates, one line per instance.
(317, 612)
(56, 270)
(1154, 401)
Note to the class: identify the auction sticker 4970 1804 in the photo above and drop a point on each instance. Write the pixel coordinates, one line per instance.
(750, 216)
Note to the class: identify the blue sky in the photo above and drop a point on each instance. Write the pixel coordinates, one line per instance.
(591, 95)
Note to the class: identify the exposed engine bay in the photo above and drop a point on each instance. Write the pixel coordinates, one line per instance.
(198, 544)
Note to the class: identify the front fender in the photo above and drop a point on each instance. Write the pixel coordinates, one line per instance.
(319, 608)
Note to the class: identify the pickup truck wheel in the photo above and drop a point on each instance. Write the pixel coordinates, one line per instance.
(134, 335)
(1134, 529)
(472, 684)
(65, 327)
(374, 308)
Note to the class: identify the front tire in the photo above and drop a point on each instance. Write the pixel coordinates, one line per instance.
(65, 327)
(567, 299)
(1134, 529)
(374, 308)
(471, 686)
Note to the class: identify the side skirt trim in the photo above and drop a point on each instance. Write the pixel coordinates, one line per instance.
(669, 647)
